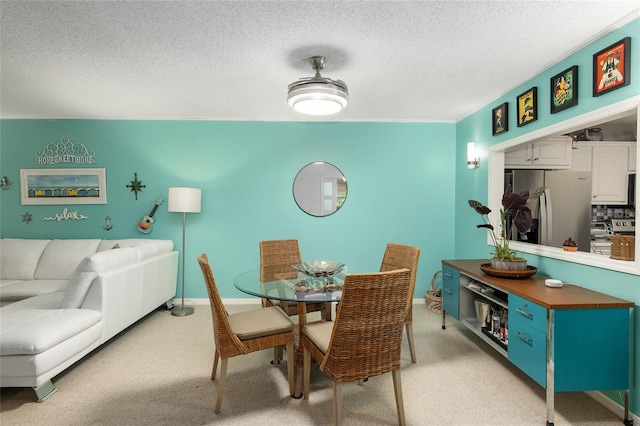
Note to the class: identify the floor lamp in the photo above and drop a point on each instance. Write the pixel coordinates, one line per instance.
(183, 200)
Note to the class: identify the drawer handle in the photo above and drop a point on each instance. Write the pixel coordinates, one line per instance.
(524, 339)
(524, 313)
(446, 290)
(448, 275)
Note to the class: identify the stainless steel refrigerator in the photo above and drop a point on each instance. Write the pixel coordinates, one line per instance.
(563, 212)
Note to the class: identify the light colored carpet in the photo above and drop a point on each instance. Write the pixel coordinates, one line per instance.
(157, 373)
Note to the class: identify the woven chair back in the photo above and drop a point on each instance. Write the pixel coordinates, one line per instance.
(398, 256)
(277, 258)
(227, 342)
(367, 334)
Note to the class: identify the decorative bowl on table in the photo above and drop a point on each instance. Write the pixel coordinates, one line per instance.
(320, 268)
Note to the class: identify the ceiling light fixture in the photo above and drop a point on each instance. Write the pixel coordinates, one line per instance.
(318, 95)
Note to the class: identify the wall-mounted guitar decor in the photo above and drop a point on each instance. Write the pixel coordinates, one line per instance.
(146, 225)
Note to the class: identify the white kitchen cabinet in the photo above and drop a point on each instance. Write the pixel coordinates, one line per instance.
(632, 158)
(551, 153)
(581, 158)
(609, 173)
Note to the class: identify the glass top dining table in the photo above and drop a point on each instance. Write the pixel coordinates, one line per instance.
(292, 286)
(296, 286)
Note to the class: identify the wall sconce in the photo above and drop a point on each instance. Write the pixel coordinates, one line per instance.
(472, 156)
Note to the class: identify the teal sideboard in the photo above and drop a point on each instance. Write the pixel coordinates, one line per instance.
(566, 339)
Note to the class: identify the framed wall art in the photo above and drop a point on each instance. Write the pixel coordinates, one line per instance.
(612, 67)
(500, 119)
(63, 186)
(527, 107)
(564, 90)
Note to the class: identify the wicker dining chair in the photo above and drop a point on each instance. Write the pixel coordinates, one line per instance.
(244, 332)
(397, 256)
(277, 258)
(366, 337)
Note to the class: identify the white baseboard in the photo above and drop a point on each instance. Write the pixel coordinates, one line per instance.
(611, 405)
(241, 301)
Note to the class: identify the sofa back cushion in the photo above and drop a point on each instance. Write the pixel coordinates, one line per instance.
(19, 258)
(62, 257)
(90, 267)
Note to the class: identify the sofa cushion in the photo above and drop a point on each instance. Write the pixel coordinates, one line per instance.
(22, 289)
(153, 249)
(41, 301)
(129, 242)
(61, 257)
(89, 268)
(32, 331)
(19, 258)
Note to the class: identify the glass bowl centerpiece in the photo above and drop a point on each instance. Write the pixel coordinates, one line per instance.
(320, 268)
(321, 274)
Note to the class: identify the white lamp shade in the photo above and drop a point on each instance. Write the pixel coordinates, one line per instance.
(184, 200)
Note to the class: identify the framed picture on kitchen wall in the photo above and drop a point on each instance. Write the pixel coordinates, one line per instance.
(612, 67)
(564, 90)
(63, 186)
(500, 119)
(527, 107)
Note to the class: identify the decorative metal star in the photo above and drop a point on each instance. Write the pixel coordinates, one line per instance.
(26, 217)
(136, 185)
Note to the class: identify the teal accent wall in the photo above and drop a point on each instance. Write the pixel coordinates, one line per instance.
(400, 180)
(472, 184)
(408, 183)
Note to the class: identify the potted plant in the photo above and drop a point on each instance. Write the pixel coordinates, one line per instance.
(515, 212)
(569, 245)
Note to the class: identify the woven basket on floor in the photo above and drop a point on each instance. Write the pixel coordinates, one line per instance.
(434, 297)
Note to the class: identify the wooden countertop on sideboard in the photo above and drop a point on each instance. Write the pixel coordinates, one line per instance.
(569, 296)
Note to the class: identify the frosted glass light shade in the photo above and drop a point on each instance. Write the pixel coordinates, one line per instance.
(317, 99)
(472, 156)
(184, 200)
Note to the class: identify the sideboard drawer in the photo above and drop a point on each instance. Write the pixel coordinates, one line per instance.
(451, 291)
(530, 313)
(528, 350)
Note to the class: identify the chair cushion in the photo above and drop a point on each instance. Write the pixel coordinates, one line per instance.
(260, 323)
(320, 334)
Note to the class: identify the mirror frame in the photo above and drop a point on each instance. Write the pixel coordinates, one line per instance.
(496, 183)
(344, 179)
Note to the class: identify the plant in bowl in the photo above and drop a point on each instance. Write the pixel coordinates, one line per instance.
(517, 215)
(570, 245)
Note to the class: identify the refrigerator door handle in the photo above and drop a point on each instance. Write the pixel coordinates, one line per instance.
(546, 218)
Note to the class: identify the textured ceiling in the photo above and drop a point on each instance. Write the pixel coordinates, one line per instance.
(233, 60)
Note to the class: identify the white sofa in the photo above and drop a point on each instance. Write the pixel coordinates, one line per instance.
(61, 299)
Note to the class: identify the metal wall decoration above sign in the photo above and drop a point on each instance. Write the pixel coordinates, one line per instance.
(65, 151)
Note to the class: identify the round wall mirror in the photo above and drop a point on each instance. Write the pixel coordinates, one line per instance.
(320, 189)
